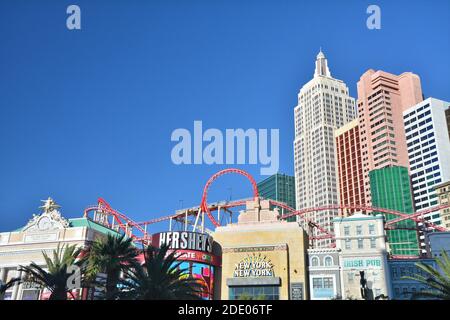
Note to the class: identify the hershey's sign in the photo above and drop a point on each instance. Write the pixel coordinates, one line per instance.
(184, 240)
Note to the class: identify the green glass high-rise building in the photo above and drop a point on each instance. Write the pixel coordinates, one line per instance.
(391, 189)
(279, 187)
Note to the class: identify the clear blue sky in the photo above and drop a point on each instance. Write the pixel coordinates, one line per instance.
(89, 113)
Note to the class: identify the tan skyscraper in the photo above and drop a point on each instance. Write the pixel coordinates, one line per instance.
(382, 98)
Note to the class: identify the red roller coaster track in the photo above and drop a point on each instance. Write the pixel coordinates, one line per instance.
(120, 220)
(138, 230)
(204, 205)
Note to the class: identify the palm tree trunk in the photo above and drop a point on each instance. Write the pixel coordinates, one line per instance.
(58, 294)
(111, 285)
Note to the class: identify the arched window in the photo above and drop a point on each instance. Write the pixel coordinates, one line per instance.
(328, 261)
(314, 261)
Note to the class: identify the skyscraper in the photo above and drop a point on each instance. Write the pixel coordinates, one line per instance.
(391, 189)
(447, 116)
(382, 98)
(323, 106)
(428, 146)
(443, 192)
(279, 187)
(349, 166)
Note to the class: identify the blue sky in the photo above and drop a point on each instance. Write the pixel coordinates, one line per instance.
(87, 114)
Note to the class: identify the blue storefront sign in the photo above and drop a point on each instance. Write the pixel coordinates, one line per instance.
(362, 263)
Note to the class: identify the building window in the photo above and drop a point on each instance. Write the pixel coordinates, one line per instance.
(314, 261)
(255, 292)
(373, 243)
(371, 229)
(360, 244)
(30, 294)
(404, 291)
(317, 283)
(323, 287)
(328, 262)
(347, 230)
(348, 244)
(359, 230)
(328, 283)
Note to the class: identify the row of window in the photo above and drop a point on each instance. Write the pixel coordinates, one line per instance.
(415, 126)
(419, 147)
(426, 156)
(406, 292)
(323, 283)
(327, 261)
(359, 230)
(415, 134)
(424, 137)
(360, 244)
(426, 106)
(255, 292)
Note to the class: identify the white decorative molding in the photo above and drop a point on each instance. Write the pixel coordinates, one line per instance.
(41, 237)
(49, 220)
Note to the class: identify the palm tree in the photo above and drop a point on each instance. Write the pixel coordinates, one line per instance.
(112, 256)
(6, 286)
(438, 281)
(57, 278)
(160, 277)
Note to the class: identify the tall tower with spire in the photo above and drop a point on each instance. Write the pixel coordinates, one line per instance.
(323, 106)
(322, 66)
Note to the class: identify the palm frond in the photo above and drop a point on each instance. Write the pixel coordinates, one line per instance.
(4, 287)
(55, 278)
(436, 279)
(160, 277)
(111, 255)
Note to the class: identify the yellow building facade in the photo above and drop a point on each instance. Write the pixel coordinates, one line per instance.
(443, 193)
(262, 257)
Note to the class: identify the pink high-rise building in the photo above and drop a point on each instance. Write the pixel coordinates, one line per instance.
(382, 98)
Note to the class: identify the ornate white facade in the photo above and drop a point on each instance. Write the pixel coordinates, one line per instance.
(43, 233)
(361, 240)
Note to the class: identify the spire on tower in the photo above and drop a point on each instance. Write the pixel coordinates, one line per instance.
(321, 65)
